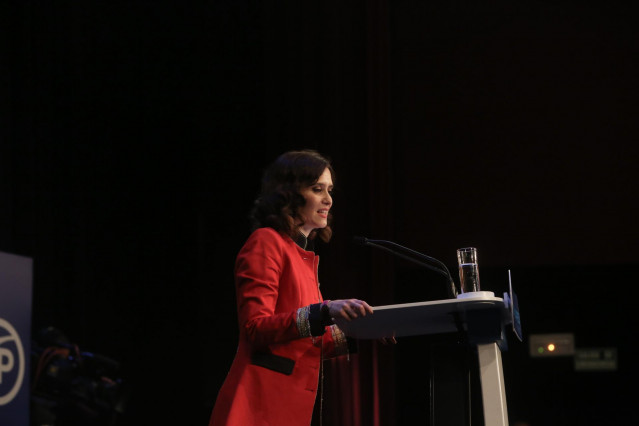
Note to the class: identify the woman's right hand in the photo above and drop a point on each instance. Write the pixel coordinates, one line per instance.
(348, 309)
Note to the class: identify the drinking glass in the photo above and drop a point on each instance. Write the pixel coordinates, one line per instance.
(468, 269)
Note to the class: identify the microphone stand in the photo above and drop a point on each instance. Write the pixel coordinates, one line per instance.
(442, 269)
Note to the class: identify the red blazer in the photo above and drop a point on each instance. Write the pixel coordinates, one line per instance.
(274, 377)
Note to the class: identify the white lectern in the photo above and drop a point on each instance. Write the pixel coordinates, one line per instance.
(479, 317)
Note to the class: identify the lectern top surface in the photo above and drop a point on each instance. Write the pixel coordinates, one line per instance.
(418, 318)
(487, 296)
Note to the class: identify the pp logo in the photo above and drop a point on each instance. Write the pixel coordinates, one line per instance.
(12, 362)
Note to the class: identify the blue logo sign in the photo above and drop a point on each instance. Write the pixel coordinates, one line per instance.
(12, 362)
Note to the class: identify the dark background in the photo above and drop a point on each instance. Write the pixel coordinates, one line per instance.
(134, 135)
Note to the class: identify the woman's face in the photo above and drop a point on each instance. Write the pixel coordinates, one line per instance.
(318, 202)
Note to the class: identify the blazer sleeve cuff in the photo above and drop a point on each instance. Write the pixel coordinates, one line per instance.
(310, 320)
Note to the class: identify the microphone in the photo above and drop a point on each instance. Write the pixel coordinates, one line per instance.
(441, 269)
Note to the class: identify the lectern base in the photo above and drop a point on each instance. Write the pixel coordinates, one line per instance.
(466, 385)
(492, 384)
(449, 386)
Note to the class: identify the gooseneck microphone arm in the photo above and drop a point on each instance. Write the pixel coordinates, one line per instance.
(440, 268)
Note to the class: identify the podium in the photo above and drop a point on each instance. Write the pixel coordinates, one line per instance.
(474, 321)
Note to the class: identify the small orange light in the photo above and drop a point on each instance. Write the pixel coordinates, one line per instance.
(551, 347)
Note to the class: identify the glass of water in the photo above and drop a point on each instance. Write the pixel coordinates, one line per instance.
(468, 269)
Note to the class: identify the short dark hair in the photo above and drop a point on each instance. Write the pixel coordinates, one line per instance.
(281, 194)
